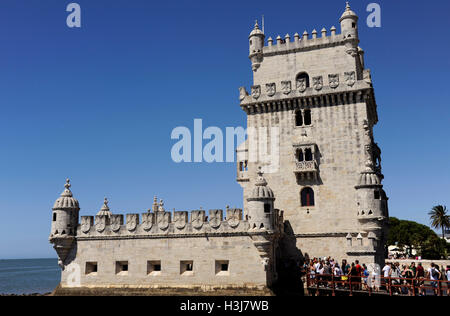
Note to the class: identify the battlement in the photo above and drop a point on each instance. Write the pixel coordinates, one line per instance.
(162, 223)
(305, 42)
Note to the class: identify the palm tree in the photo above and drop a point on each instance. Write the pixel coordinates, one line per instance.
(440, 218)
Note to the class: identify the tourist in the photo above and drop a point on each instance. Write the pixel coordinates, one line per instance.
(448, 280)
(353, 277)
(365, 274)
(420, 276)
(434, 275)
(407, 275)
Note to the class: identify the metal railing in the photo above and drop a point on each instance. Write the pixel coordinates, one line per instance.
(374, 286)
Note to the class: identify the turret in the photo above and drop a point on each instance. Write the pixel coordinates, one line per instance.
(256, 43)
(260, 205)
(64, 223)
(349, 24)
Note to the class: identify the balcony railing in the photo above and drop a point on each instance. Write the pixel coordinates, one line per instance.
(306, 170)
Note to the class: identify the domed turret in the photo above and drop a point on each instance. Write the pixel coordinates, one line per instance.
(64, 223)
(256, 43)
(349, 23)
(260, 205)
(65, 213)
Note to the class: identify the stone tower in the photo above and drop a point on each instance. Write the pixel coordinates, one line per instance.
(316, 92)
(64, 223)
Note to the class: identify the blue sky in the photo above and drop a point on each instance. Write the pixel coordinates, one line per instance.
(98, 104)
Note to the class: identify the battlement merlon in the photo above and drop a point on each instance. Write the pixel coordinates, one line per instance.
(161, 224)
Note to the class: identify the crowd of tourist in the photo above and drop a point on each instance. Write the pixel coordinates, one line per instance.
(404, 279)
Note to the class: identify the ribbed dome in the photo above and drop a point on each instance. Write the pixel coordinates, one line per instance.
(369, 178)
(261, 190)
(66, 200)
(256, 30)
(348, 13)
(105, 209)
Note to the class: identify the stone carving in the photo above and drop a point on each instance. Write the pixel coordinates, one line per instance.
(256, 92)
(86, 224)
(197, 219)
(367, 76)
(215, 218)
(100, 223)
(234, 217)
(286, 87)
(180, 219)
(163, 220)
(333, 80)
(350, 78)
(132, 221)
(271, 89)
(116, 222)
(242, 93)
(301, 85)
(147, 221)
(318, 83)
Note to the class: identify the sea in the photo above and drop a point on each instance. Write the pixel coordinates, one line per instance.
(29, 276)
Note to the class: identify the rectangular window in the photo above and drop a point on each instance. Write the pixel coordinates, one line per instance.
(187, 267)
(222, 267)
(91, 268)
(154, 267)
(266, 208)
(54, 217)
(122, 267)
(377, 195)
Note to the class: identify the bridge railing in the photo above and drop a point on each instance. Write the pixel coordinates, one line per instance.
(378, 285)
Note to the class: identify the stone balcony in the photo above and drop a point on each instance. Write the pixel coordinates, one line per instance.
(306, 170)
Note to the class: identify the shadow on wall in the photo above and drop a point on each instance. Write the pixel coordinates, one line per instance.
(289, 261)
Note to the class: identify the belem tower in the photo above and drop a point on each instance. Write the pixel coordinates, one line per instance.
(325, 198)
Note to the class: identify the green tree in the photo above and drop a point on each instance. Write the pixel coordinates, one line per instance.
(409, 235)
(439, 218)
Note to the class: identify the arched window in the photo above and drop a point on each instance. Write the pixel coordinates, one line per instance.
(308, 154)
(300, 156)
(307, 118)
(307, 197)
(303, 75)
(298, 118)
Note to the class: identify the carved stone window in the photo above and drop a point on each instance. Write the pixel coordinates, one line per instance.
(154, 267)
(307, 197)
(303, 118)
(187, 267)
(122, 267)
(222, 267)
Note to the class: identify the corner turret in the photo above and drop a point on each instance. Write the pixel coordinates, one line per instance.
(64, 223)
(349, 24)
(256, 43)
(260, 205)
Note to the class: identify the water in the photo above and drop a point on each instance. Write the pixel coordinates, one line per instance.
(26, 276)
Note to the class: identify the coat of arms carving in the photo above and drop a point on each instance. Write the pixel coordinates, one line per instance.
(256, 92)
(147, 221)
(333, 80)
(100, 223)
(215, 218)
(180, 219)
(116, 222)
(350, 78)
(271, 89)
(318, 83)
(242, 93)
(132, 221)
(301, 85)
(234, 217)
(197, 219)
(86, 223)
(163, 220)
(286, 87)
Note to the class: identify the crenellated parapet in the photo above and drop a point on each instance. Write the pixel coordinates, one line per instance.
(162, 223)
